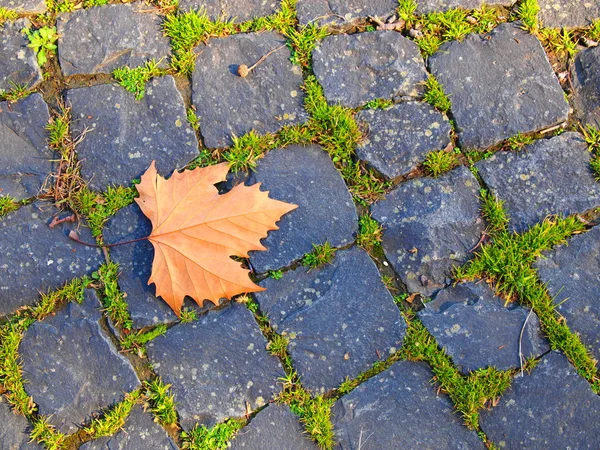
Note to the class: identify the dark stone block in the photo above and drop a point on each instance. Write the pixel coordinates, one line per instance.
(274, 428)
(36, 258)
(19, 63)
(572, 274)
(72, 368)
(551, 408)
(354, 69)
(15, 430)
(339, 12)
(304, 176)
(135, 266)
(499, 84)
(98, 40)
(551, 176)
(237, 10)
(429, 226)
(568, 13)
(125, 135)
(399, 408)
(339, 319)
(25, 160)
(218, 366)
(139, 433)
(585, 76)
(400, 137)
(25, 6)
(477, 330)
(266, 100)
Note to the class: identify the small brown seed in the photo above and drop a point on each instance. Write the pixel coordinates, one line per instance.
(243, 70)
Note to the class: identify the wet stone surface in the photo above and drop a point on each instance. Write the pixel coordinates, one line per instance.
(36, 258)
(429, 226)
(125, 135)
(551, 176)
(568, 13)
(551, 408)
(98, 40)
(477, 330)
(264, 101)
(572, 274)
(15, 430)
(25, 160)
(236, 10)
(139, 433)
(399, 138)
(338, 12)
(338, 318)
(135, 266)
(354, 69)
(72, 367)
(19, 63)
(505, 76)
(304, 176)
(24, 6)
(378, 413)
(274, 428)
(585, 76)
(220, 367)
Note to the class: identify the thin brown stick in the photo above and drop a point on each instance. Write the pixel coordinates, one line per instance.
(74, 237)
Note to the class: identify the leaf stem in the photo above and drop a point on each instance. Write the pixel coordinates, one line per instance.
(74, 237)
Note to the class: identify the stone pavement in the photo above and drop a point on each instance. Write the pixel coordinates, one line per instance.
(383, 345)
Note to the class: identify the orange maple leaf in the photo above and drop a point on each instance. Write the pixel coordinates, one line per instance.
(195, 231)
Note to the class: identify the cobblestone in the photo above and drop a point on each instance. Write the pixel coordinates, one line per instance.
(19, 64)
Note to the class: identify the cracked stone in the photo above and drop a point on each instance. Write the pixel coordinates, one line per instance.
(72, 367)
(19, 63)
(477, 330)
(125, 135)
(500, 84)
(572, 274)
(265, 101)
(400, 137)
(568, 13)
(218, 366)
(138, 432)
(377, 414)
(354, 69)
(273, 428)
(338, 12)
(37, 258)
(550, 176)
(25, 160)
(585, 76)
(334, 333)
(429, 226)
(551, 408)
(236, 10)
(99, 40)
(135, 266)
(304, 176)
(429, 6)
(25, 6)
(15, 430)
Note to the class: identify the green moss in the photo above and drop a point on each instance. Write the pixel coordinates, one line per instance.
(527, 12)
(276, 274)
(162, 402)
(369, 233)
(188, 315)
(114, 418)
(92, 3)
(439, 162)
(15, 93)
(435, 96)
(193, 118)
(561, 42)
(112, 298)
(247, 149)
(11, 372)
(134, 80)
(140, 338)
(7, 14)
(380, 103)
(593, 31)
(320, 255)
(215, 438)
(46, 434)
(8, 205)
(71, 291)
(595, 165)
(406, 11)
(519, 141)
(592, 138)
(303, 42)
(42, 41)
